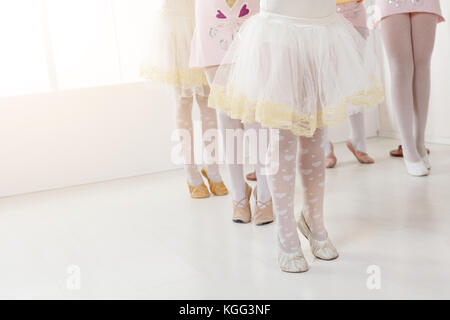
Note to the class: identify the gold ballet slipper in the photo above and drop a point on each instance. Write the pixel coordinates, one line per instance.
(200, 192)
(217, 188)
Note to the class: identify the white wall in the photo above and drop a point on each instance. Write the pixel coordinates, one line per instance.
(67, 138)
(438, 124)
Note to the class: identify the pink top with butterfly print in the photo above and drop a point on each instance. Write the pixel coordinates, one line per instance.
(217, 23)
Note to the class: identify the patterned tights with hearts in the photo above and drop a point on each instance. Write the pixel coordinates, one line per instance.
(185, 125)
(311, 165)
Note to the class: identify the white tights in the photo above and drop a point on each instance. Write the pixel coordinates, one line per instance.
(184, 122)
(357, 133)
(235, 160)
(356, 120)
(311, 165)
(409, 42)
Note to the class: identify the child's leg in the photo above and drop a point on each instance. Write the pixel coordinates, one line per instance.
(209, 122)
(330, 156)
(232, 132)
(423, 34)
(258, 157)
(184, 123)
(356, 121)
(234, 157)
(358, 132)
(312, 171)
(282, 187)
(328, 150)
(397, 38)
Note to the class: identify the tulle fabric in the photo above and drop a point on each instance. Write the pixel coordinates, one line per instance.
(167, 53)
(356, 13)
(296, 74)
(372, 57)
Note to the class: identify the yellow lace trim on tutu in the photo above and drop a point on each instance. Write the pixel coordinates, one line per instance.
(367, 98)
(338, 2)
(279, 116)
(191, 77)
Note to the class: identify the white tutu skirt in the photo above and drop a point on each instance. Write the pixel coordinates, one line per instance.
(167, 53)
(296, 74)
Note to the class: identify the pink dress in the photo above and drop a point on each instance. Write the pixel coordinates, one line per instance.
(391, 7)
(216, 25)
(355, 12)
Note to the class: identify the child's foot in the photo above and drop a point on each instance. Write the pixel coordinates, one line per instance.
(323, 250)
(398, 153)
(252, 176)
(241, 209)
(293, 262)
(217, 188)
(416, 169)
(426, 157)
(263, 211)
(331, 160)
(426, 161)
(362, 157)
(199, 192)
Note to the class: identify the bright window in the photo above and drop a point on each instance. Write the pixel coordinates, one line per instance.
(23, 65)
(49, 45)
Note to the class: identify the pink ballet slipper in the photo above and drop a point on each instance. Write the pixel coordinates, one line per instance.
(331, 160)
(362, 157)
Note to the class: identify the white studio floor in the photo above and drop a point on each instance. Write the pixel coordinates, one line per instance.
(144, 238)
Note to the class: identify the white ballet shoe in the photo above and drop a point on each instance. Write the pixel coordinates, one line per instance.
(323, 250)
(293, 262)
(426, 161)
(416, 169)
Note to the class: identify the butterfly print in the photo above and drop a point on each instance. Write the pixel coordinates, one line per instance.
(229, 24)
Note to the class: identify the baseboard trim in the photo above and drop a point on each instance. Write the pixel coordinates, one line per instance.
(429, 138)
